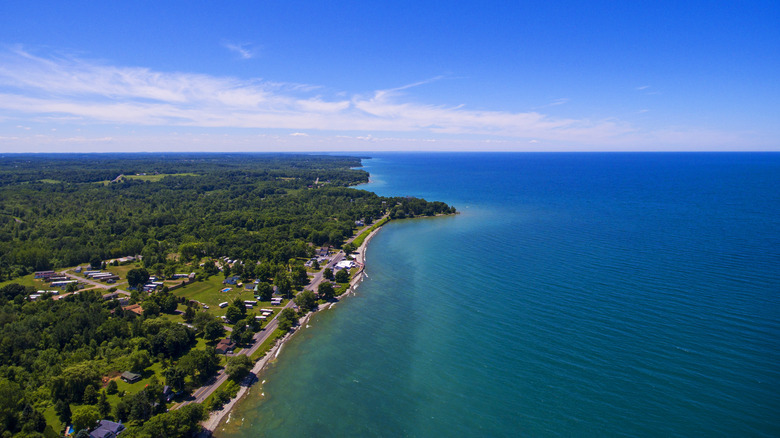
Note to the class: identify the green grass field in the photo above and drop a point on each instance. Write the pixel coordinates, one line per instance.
(155, 178)
(208, 292)
(265, 346)
(150, 178)
(29, 280)
(359, 240)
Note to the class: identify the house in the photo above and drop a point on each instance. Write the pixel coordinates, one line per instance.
(135, 308)
(129, 377)
(43, 274)
(232, 280)
(62, 283)
(345, 264)
(107, 429)
(225, 346)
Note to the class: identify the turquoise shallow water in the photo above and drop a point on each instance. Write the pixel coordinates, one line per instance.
(576, 295)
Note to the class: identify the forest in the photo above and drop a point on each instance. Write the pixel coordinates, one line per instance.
(60, 358)
(61, 210)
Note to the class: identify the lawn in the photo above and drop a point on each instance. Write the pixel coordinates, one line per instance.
(155, 178)
(51, 418)
(29, 280)
(132, 388)
(150, 178)
(265, 346)
(208, 292)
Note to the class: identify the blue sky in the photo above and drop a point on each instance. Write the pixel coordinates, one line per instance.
(378, 75)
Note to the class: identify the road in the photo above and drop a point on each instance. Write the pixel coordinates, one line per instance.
(93, 282)
(202, 393)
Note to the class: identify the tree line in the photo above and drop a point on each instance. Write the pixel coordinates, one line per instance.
(59, 211)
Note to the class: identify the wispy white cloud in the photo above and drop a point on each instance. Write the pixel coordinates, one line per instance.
(560, 101)
(242, 50)
(58, 89)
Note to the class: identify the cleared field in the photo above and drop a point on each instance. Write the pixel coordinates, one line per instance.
(155, 178)
(29, 280)
(150, 178)
(208, 292)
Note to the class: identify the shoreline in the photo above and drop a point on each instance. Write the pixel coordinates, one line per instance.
(222, 416)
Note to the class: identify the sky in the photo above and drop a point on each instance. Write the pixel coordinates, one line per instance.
(273, 75)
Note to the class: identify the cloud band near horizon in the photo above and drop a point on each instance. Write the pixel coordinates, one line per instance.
(63, 89)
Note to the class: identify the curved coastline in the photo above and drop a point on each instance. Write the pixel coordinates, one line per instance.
(222, 416)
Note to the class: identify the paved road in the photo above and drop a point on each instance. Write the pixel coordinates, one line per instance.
(93, 282)
(202, 393)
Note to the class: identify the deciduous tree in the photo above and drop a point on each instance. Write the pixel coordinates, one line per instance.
(342, 276)
(306, 300)
(137, 277)
(264, 291)
(238, 367)
(85, 417)
(328, 274)
(325, 290)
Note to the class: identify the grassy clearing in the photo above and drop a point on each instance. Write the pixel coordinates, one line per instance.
(208, 292)
(51, 418)
(176, 318)
(50, 181)
(132, 388)
(155, 178)
(267, 345)
(340, 289)
(150, 178)
(362, 237)
(29, 280)
(228, 387)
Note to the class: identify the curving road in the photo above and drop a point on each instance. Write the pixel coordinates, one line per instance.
(202, 393)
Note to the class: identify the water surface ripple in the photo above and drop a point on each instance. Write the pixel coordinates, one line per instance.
(576, 295)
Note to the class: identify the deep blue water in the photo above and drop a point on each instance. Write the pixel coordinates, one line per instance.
(575, 295)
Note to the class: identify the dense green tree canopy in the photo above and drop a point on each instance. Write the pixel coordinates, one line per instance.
(306, 300)
(342, 276)
(325, 290)
(137, 277)
(177, 211)
(238, 367)
(62, 210)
